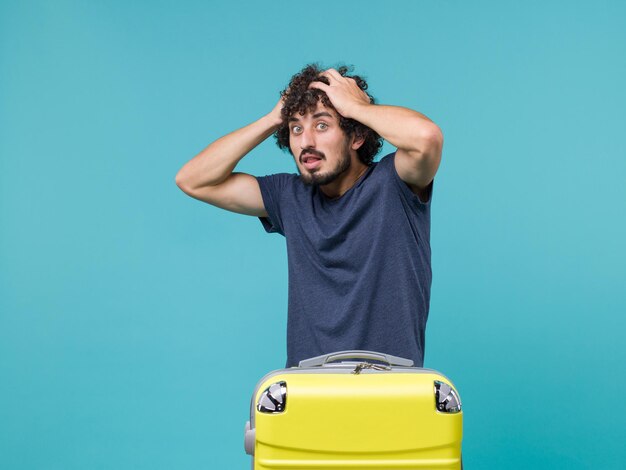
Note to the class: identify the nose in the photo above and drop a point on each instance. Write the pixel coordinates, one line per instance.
(307, 139)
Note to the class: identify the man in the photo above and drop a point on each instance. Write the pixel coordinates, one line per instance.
(357, 232)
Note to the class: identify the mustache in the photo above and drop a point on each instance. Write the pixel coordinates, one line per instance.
(310, 151)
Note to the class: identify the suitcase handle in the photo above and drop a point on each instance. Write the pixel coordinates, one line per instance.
(340, 355)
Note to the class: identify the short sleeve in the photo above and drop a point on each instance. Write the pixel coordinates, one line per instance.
(404, 188)
(272, 190)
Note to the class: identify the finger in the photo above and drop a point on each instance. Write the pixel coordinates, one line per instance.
(332, 79)
(327, 76)
(333, 73)
(319, 85)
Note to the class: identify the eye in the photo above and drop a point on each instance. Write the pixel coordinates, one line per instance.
(296, 129)
(322, 126)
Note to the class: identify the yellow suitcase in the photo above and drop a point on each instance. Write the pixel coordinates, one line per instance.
(355, 409)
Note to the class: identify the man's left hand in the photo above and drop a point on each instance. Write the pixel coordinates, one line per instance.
(343, 93)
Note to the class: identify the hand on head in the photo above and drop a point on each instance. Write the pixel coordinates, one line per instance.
(343, 92)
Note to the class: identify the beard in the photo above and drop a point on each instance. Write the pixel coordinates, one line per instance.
(318, 178)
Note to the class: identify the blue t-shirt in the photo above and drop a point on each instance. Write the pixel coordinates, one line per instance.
(359, 265)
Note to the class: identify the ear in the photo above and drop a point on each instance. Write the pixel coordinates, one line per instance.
(357, 141)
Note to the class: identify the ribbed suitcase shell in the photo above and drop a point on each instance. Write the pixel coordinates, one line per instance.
(337, 419)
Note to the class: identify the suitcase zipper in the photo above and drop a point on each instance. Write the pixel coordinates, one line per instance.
(366, 365)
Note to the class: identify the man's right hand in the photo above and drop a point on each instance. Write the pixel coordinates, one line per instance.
(275, 113)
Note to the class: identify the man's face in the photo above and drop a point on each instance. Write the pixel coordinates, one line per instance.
(320, 147)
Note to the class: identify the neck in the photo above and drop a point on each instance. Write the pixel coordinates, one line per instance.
(338, 188)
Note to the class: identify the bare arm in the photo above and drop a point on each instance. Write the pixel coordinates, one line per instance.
(209, 175)
(419, 141)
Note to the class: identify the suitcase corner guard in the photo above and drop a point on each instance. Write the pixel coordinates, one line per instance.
(248, 439)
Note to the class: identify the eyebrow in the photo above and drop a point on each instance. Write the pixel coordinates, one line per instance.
(315, 116)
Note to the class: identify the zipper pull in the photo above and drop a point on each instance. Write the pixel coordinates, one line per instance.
(366, 365)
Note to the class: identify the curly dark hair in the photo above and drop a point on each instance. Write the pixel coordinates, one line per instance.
(299, 98)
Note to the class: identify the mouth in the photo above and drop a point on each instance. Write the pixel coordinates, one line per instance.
(311, 161)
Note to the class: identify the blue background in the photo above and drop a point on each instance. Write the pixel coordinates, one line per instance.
(135, 321)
